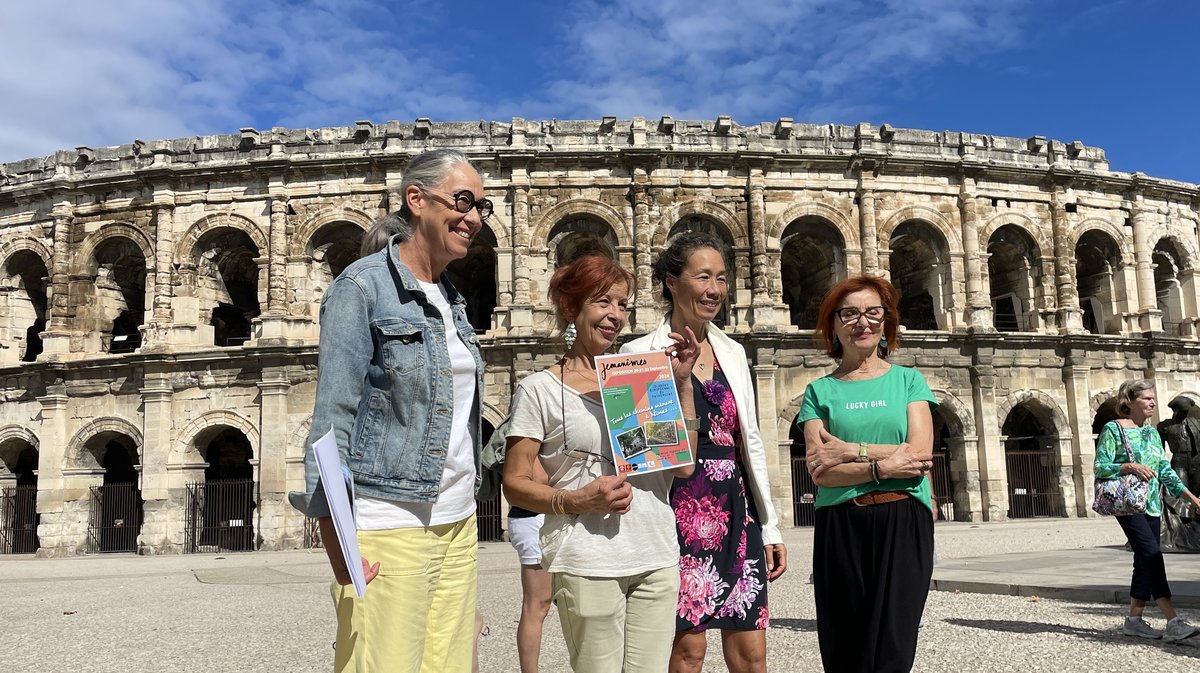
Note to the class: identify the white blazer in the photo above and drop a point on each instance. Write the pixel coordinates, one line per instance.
(733, 361)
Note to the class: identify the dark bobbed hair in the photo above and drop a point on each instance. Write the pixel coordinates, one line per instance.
(588, 276)
(889, 297)
(675, 256)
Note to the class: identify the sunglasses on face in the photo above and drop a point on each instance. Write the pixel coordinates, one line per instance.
(464, 201)
(875, 315)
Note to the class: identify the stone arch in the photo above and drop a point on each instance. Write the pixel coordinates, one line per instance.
(186, 449)
(112, 424)
(812, 259)
(580, 208)
(735, 230)
(477, 278)
(835, 217)
(300, 241)
(1100, 398)
(921, 267)
(1049, 409)
(1184, 247)
(492, 414)
(930, 216)
(298, 441)
(84, 258)
(24, 298)
(10, 433)
(1026, 224)
(1122, 240)
(12, 245)
(185, 250)
(1014, 274)
(959, 417)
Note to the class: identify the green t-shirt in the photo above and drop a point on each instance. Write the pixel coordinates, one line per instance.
(873, 411)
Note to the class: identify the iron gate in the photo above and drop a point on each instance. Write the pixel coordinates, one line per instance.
(18, 520)
(1032, 487)
(943, 489)
(115, 519)
(804, 494)
(219, 516)
(490, 519)
(312, 533)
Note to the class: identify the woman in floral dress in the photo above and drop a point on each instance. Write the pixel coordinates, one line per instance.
(729, 541)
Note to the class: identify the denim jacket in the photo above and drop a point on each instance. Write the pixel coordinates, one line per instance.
(384, 384)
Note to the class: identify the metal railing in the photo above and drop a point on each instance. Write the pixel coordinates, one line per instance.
(18, 520)
(490, 519)
(804, 494)
(220, 516)
(1032, 484)
(943, 487)
(115, 520)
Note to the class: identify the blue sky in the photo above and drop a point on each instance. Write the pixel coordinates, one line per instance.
(1122, 75)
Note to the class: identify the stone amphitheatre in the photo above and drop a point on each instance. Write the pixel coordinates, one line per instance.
(158, 300)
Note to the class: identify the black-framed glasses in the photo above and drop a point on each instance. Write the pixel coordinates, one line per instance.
(875, 315)
(464, 201)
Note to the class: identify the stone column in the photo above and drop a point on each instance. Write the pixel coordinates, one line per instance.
(277, 301)
(867, 230)
(1082, 448)
(156, 335)
(1149, 316)
(56, 340)
(1070, 317)
(62, 529)
(762, 313)
(521, 313)
(645, 317)
(273, 511)
(165, 510)
(993, 471)
(979, 305)
(778, 454)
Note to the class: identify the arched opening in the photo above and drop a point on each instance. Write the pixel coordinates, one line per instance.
(120, 293)
(116, 511)
(333, 248)
(1104, 414)
(704, 225)
(489, 513)
(227, 284)
(940, 475)
(1168, 286)
(221, 508)
(920, 270)
(23, 284)
(1030, 454)
(804, 490)
(575, 237)
(811, 262)
(474, 276)
(18, 497)
(1097, 262)
(1013, 271)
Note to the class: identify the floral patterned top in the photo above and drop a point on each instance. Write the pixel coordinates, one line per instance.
(1148, 449)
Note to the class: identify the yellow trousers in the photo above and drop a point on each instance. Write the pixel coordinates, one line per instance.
(418, 615)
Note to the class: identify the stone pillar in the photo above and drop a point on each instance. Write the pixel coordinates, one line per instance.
(277, 301)
(62, 529)
(979, 304)
(521, 313)
(964, 478)
(778, 453)
(273, 511)
(1070, 317)
(1076, 375)
(867, 230)
(645, 317)
(156, 334)
(165, 510)
(993, 471)
(56, 340)
(1149, 316)
(762, 314)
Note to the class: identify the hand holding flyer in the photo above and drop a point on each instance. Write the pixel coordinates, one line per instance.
(644, 418)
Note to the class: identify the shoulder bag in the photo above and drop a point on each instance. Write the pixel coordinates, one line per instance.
(1124, 494)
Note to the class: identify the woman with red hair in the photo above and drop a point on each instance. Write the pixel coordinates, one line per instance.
(609, 544)
(868, 428)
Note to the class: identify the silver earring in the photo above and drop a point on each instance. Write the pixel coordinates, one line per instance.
(883, 348)
(569, 335)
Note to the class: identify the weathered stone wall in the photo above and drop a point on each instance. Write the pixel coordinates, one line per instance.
(237, 237)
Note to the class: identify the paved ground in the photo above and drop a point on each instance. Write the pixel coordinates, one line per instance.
(271, 611)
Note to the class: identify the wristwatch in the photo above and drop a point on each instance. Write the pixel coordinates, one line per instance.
(691, 424)
(863, 448)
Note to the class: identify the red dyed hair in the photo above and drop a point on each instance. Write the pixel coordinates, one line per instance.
(589, 276)
(889, 298)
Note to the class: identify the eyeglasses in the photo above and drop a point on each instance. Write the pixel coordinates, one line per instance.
(875, 315)
(464, 201)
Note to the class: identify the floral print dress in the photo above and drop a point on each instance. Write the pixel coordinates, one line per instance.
(721, 562)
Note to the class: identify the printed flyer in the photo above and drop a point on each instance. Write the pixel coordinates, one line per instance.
(645, 421)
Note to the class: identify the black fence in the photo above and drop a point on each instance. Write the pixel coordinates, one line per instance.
(115, 520)
(18, 520)
(804, 494)
(943, 488)
(312, 534)
(490, 519)
(1032, 484)
(220, 516)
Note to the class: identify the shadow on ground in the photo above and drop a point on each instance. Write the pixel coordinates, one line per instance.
(1187, 648)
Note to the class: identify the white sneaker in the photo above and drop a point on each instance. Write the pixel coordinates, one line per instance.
(1136, 626)
(1177, 629)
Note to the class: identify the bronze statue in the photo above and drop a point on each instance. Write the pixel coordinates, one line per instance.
(1181, 434)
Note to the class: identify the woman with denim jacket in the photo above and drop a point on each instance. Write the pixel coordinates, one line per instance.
(1130, 445)
(400, 384)
(608, 543)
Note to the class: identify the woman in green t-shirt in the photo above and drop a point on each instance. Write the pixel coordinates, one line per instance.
(868, 427)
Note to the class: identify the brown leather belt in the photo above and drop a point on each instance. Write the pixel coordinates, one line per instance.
(879, 498)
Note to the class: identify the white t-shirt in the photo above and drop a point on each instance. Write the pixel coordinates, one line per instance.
(456, 497)
(591, 544)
